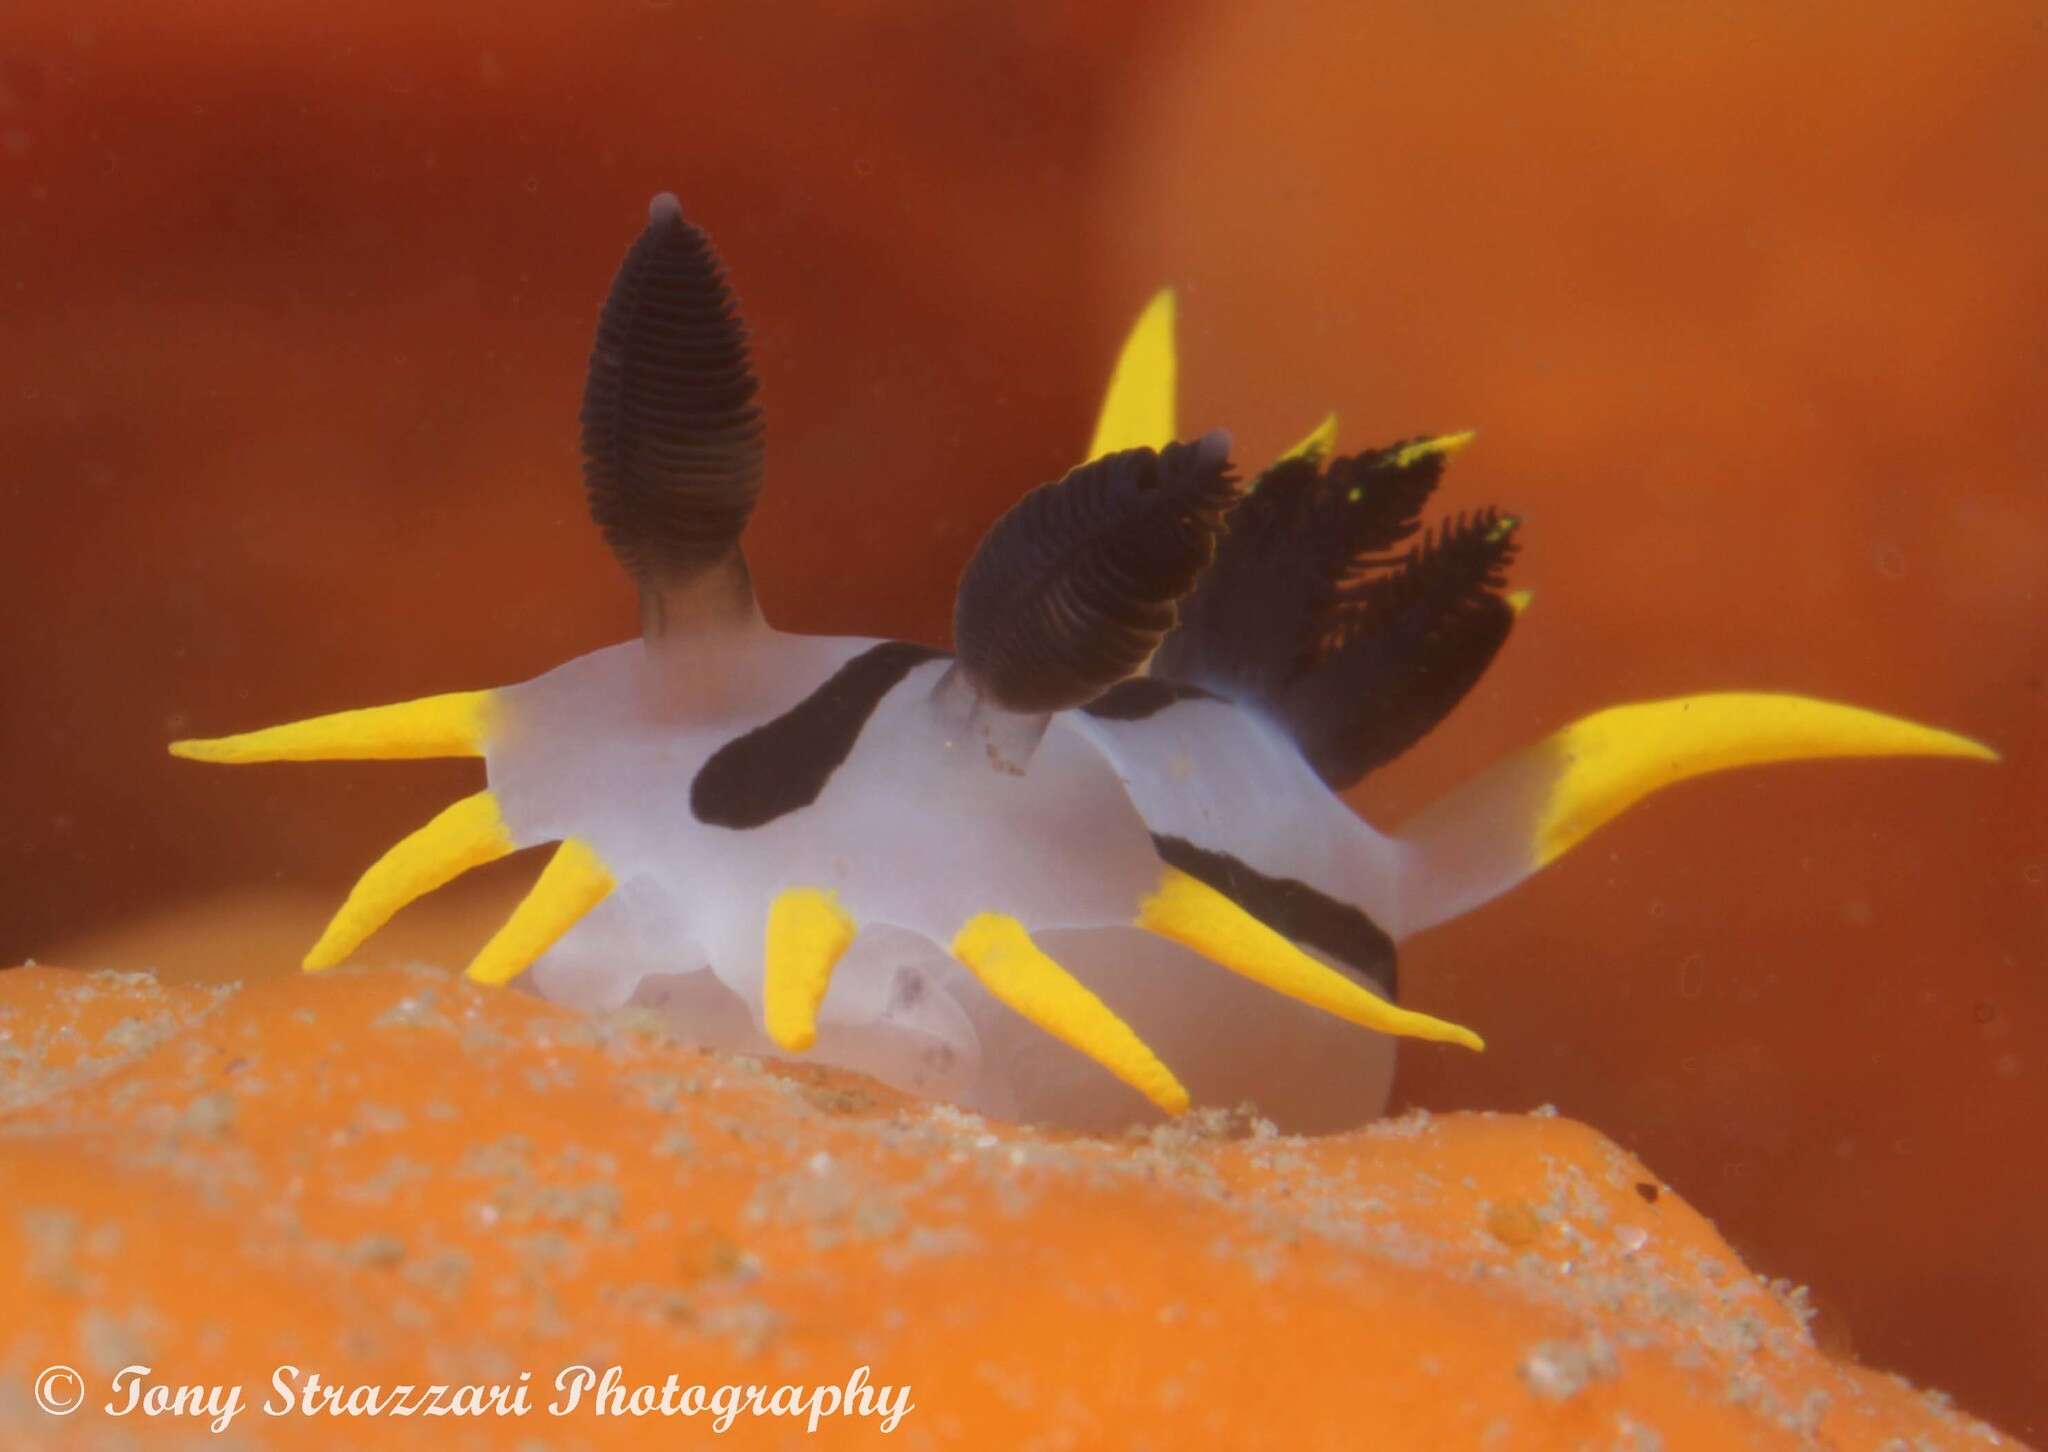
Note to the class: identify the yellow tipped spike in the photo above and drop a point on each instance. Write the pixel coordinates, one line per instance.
(1195, 915)
(1319, 443)
(455, 724)
(1012, 967)
(574, 881)
(1520, 600)
(466, 835)
(1612, 759)
(1445, 444)
(808, 932)
(1138, 409)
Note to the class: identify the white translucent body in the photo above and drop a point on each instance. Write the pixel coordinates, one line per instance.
(927, 823)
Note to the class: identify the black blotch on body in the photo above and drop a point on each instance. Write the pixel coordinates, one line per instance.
(1143, 696)
(671, 433)
(1291, 908)
(1073, 588)
(1648, 1191)
(1323, 607)
(783, 764)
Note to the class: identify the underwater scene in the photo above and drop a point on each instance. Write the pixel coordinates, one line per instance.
(1116, 724)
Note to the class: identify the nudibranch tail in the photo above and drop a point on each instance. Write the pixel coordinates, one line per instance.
(465, 835)
(1138, 407)
(1018, 974)
(1195, 915)
(574, 881)
(1527, 811)
(1614, 758)
(454, 724)
(808, 933)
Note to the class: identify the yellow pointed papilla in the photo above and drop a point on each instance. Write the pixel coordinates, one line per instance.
(1612, 759)
(455, 724)
(1138, 409)
(808, 933)
(466, 835)
(1195, 915)
(1519, 601)
(1319, 443)
(574, 881)
(1019, 975)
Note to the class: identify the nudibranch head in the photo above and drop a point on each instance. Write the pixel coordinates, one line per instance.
(1090, 865)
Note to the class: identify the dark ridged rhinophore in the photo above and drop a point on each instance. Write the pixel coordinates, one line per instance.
(1074, 588)
(671, 433)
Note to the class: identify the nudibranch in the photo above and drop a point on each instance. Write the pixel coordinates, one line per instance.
(1090, 865)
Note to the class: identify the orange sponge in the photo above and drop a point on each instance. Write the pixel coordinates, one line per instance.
(393, 1179)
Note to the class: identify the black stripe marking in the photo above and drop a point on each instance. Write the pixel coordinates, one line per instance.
(1291, 908)
(782, 765)
(1143, 696)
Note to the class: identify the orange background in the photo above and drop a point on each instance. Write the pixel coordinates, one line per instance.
(1746, 301)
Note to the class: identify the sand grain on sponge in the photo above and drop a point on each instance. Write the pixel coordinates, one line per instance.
(392, 1177)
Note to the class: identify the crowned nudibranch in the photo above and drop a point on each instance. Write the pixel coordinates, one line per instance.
(1090, 861)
